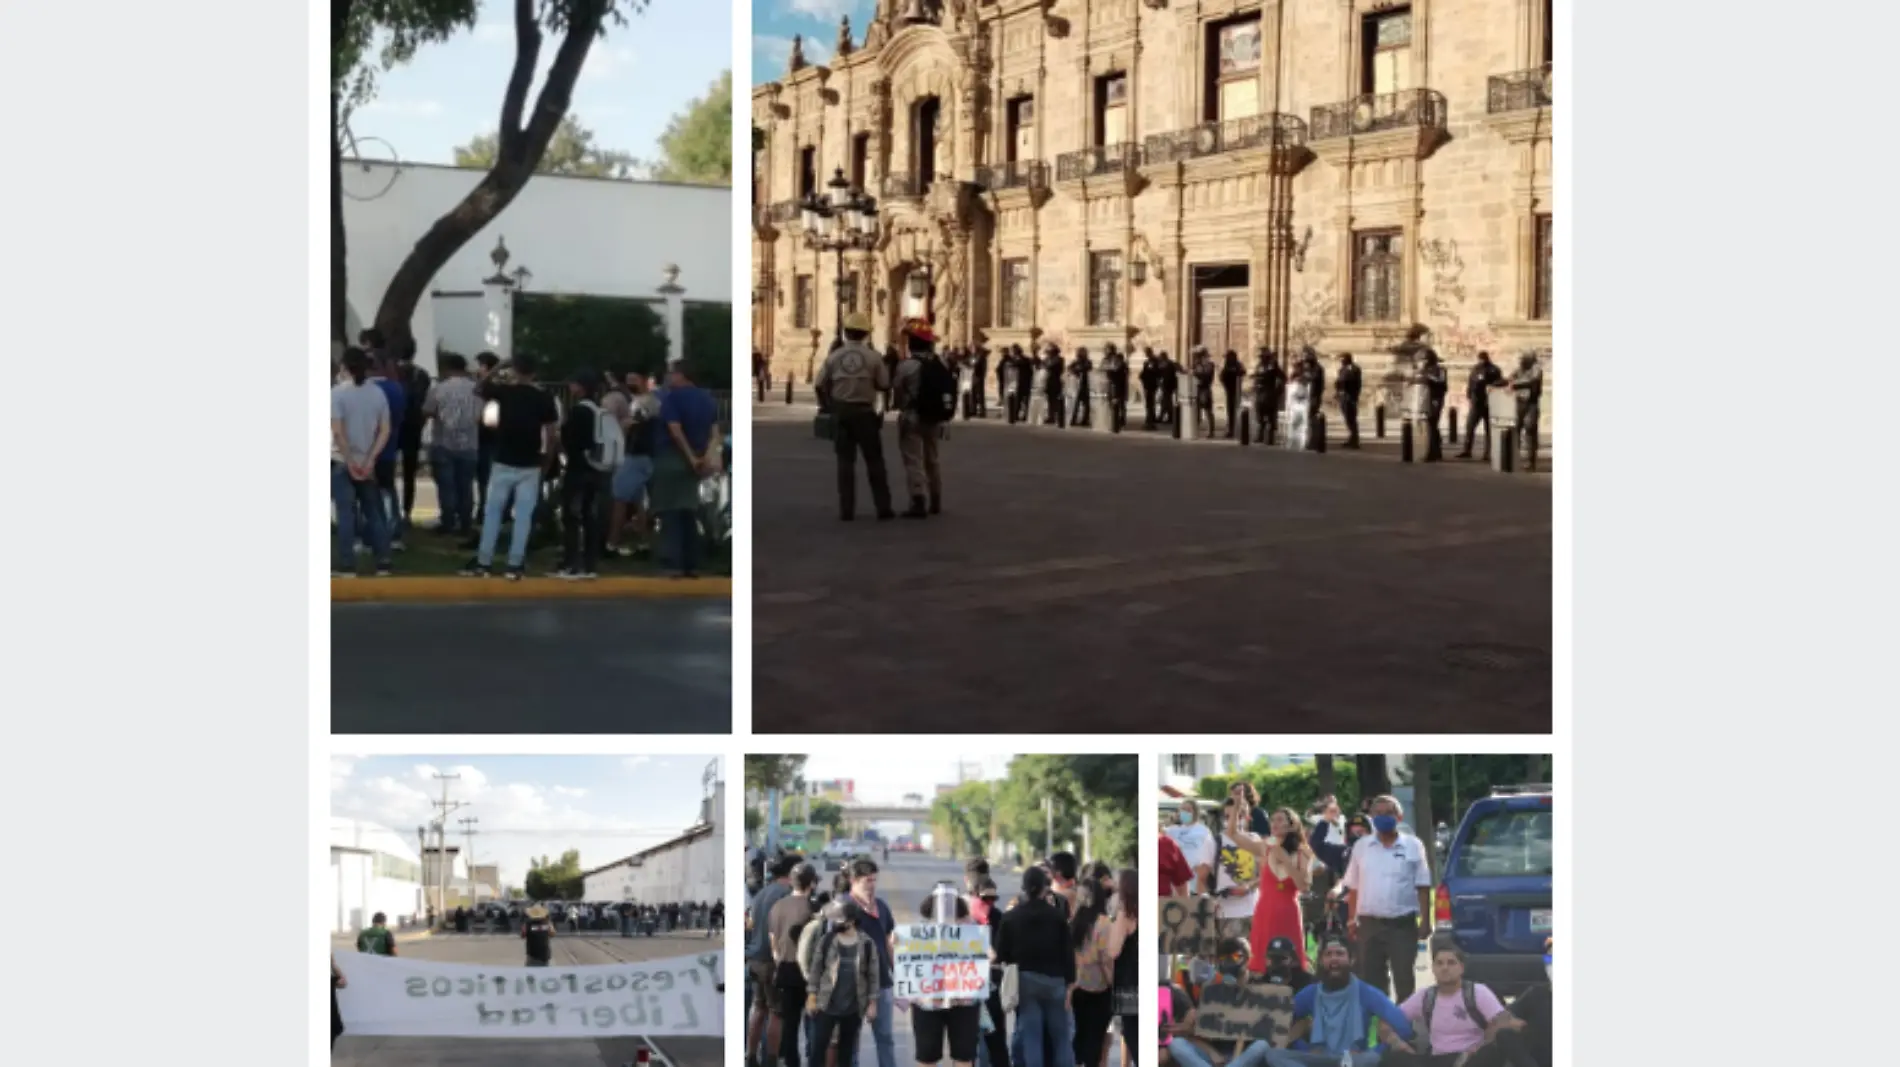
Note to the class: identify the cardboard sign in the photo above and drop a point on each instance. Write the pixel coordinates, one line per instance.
(1246, 1012)
(399, 997)
(1193, 927)
(937, 966)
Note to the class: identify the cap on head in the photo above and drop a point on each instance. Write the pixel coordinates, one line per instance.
(857, 322)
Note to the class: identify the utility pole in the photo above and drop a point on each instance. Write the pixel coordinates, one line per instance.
(1048, 825)
(1085, 838)
(468, 833)
(441, 838)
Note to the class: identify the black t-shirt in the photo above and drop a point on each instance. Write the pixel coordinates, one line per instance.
(415, 388)
(539, 934)
(524, 411)
(577, 435)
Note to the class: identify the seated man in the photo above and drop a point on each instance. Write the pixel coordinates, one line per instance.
(1333, 1019)
(1458, 1023)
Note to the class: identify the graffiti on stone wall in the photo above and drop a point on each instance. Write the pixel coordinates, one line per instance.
(1312, 316)
(1456, 340)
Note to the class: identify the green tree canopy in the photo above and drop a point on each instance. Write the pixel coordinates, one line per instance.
(572, 152)
(697, 144)
(826, 813)
(772, 772)
(555, 881)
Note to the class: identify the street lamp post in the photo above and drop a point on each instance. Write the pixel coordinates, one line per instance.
(844, 218)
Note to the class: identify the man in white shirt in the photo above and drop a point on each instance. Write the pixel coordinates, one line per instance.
(1197, 843)
(1388, 900)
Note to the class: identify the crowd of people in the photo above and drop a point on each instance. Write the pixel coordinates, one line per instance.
(1063, 971)
(1336, 908)
(600, 465)
(1071, 393)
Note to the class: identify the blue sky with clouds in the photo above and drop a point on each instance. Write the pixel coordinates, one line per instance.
(636, 78)
(605, 806)
(774, 22)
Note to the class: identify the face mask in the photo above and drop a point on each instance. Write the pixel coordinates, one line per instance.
(1184, 817)
(1385, 824)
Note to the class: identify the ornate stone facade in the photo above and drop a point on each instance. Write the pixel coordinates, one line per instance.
(1169, 172)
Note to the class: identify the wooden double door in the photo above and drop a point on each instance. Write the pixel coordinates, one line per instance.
(1223, 323)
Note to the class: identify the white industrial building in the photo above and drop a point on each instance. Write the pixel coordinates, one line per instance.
(577, 236)
(372, 869)
(687, 868)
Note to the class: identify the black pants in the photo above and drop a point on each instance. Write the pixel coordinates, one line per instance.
(1349, 411)
(1434, 439)
(1148, 407)
(845, 1027)
(1268, 415)
(1167, 405)
(976, 397)
(1022, 403)
(411, 451)
(583, 524)
(1056, 413)
(1204, 405)
(1388, 944)
(1117, 404)
(1233, 410)
(791, 997)
(1480, 416)
(1092, 1013)
(858, 431)
(1131, 1027)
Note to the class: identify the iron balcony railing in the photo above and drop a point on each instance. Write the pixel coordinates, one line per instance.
(1373, 112)
(1214, 138)
(899, 186)
(1015, 174)
(1097, 161)
(1518, 90)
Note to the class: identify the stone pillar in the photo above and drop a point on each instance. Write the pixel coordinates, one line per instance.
(674, 315)
(498, 298)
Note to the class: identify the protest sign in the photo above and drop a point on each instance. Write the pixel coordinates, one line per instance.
(934, 965)
(1245, 1011)
(1193, 926)
(398, 997)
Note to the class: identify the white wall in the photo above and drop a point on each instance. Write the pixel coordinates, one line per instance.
(358, 894)
(577, 235)
(689, 872)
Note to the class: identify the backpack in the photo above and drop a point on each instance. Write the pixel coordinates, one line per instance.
(936, 398)
(610, 444)
(1424, 1027)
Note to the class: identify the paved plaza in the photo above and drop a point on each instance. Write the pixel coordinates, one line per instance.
(1086, 583)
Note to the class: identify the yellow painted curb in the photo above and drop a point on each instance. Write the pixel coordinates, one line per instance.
(447, 590)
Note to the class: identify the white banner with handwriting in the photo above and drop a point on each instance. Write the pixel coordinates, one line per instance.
(936, 966)
(393, 996)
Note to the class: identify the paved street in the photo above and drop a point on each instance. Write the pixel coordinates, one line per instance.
(1081, 583)
(524, 667)
(505, 949)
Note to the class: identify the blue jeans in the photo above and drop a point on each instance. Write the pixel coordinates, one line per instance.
(679, 532)
(349, 495)
(523, 484)
(1042, 1017)
(1187, 1055)
(881, 1037)
(455, 486)
(1281, 1057)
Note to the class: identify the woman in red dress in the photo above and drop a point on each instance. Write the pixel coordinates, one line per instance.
(1286, 871)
